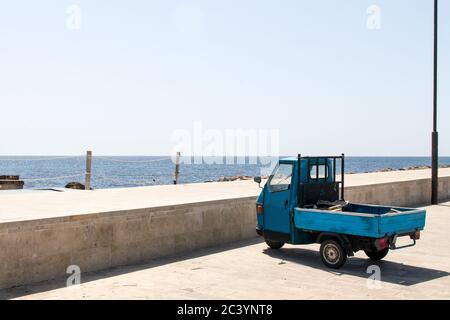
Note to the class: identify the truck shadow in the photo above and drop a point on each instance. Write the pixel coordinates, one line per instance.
(391, 272)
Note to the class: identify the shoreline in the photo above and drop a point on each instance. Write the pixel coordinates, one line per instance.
(411, 168)
(162, 176)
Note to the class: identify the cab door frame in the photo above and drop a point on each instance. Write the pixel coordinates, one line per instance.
(277, 204)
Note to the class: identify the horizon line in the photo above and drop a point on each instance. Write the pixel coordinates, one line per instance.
(215, 156)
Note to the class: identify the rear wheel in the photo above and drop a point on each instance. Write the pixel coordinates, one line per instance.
(274, 244)
(376, 255)
(332, 254)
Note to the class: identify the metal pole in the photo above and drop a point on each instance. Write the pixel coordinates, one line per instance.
(434, 135)
(87, 183)
(342, 175)
(299, 182)
(177, 169)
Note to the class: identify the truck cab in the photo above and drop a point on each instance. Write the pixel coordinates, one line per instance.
(303, 202)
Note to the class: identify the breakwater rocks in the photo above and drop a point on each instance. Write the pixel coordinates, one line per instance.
(234, 178)
(410, 168)
(238, 178)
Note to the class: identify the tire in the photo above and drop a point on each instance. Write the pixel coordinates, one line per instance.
(274, 244)
(332, 254)
(377, 255)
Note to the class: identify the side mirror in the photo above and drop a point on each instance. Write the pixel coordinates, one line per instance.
(258, 180)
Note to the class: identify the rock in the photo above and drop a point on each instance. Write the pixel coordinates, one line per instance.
(75, 185)
(235, 178)
(244, 178)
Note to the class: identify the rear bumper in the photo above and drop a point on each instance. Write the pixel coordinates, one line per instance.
(412, 235)
(391, 241)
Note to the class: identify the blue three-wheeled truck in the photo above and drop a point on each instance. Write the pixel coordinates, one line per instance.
(303, 202)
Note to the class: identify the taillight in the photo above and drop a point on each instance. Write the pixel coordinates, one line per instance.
(260, 209)
(382, 243)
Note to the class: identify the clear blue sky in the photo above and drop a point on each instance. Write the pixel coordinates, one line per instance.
(137, 70)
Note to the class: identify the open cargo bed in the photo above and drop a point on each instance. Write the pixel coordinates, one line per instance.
(361, 220)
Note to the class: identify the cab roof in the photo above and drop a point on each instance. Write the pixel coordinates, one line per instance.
(289, 159)
(295, 159)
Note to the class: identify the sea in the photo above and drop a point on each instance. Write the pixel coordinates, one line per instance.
(131, 171)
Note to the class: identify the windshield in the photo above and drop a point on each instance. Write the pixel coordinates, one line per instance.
(280, 179)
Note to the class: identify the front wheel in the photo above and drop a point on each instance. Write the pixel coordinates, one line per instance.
(377, 255)
(274, 244)
(332, 254)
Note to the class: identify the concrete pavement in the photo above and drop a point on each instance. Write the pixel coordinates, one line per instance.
(248, 270)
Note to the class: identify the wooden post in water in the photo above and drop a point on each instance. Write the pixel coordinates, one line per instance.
(177, 169)
(87, 183)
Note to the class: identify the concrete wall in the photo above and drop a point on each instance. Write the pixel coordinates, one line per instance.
(42, 249)
(403, 193)
(37, 250)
